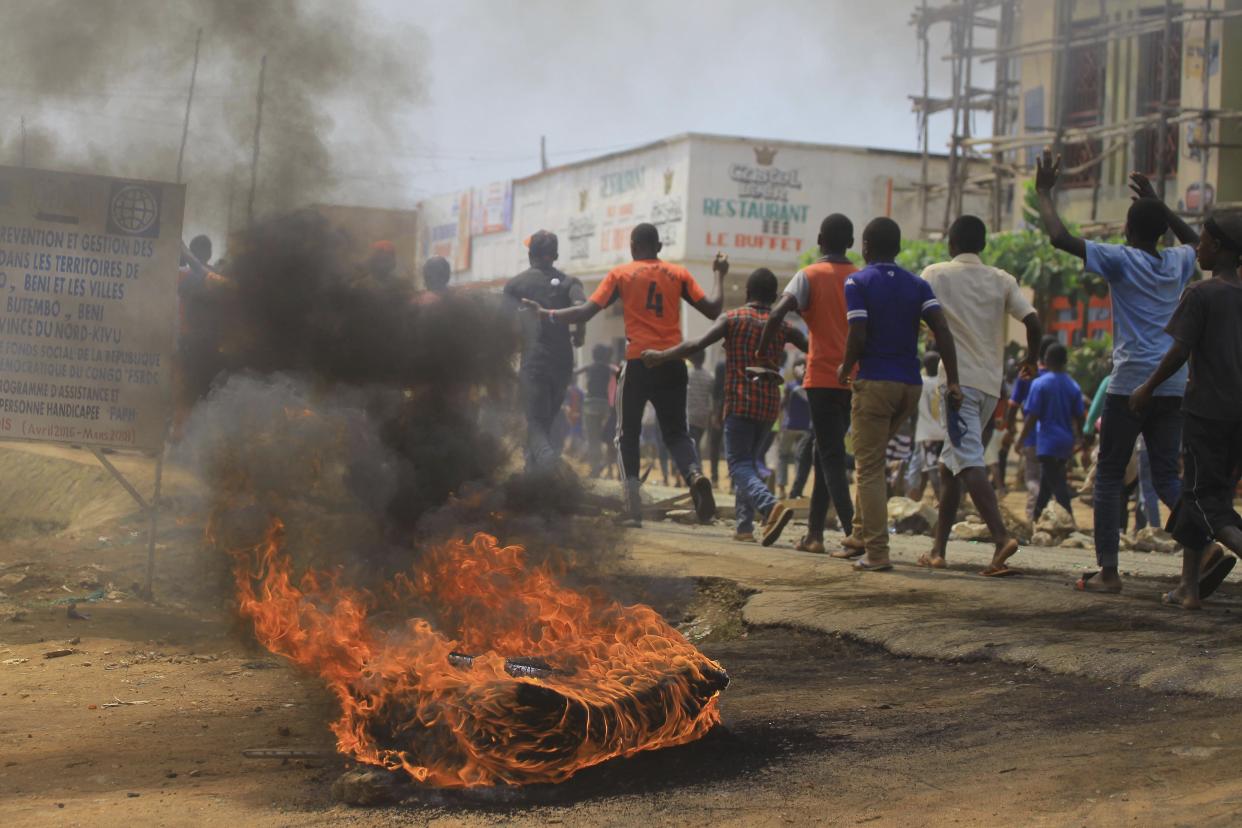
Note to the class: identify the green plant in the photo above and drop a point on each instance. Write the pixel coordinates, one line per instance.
(1090, 362)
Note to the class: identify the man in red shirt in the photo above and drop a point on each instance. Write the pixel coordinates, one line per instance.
(817, 293)
(752, 399)
(651, 291)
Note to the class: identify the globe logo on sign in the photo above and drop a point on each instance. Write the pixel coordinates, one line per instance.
(134, 210)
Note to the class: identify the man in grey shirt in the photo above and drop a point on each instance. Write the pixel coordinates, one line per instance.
(547, 347)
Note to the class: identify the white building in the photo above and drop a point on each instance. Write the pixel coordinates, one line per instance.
(759, 201)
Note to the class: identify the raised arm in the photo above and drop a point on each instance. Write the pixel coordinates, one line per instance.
(711, 306)
(1142, 188)
(714, 334)
(776, 318)
(1047, 171)
(948, 353)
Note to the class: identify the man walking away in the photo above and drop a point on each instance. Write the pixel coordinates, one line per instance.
(699, 400)
(977, 300)
(929, 433)
(817, 293)
(651, 292)
(595, 407)
(1054, 413)
(795, 426)
(547, 348)
(1146, 285)
(1206, 332)
(1017, 399)
(752, 399)
(885, 307)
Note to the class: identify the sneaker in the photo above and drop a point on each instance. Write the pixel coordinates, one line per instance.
(744, 537)
(704, 500)
(778, 519)
(633, 516)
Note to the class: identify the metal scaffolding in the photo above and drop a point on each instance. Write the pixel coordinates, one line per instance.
(1003, 154)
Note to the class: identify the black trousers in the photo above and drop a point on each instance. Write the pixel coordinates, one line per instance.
(543, 394)
(1053, 482)
(1212, 455)
(830, 420)
(806, 459)
(665, 388)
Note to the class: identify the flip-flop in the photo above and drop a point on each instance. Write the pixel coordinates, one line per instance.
(1083, 585)
(1215, 569)
(1171, 600)
(807, 545)
(863, 566)
(847, 554)
(928, 562)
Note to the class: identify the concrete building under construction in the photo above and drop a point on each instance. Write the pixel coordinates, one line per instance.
(1112, 85)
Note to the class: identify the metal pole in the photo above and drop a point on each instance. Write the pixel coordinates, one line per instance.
(189, 99)
(543, 152)
(258, 125)
(1162, 127)
(1206, 121)
(924, 116)
(149, 589)
(23, 140)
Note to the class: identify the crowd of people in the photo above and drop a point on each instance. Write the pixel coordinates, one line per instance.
(897, 380)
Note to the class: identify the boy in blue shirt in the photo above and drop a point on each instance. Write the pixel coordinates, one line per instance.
(1146, 284)
(1054, 411)
(885, 307)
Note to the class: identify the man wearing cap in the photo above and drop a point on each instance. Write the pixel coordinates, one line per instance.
(547, 348)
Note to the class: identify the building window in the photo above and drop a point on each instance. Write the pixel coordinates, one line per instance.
(1151, 62)
(1083, 107)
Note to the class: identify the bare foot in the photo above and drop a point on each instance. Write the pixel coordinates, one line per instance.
(932, 561)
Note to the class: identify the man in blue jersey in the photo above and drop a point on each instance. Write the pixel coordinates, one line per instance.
(885, 306)
(1146, 284)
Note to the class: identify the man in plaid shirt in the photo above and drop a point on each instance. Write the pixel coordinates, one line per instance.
(752, 399)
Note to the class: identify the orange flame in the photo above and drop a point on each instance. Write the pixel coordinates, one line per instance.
(607, 680)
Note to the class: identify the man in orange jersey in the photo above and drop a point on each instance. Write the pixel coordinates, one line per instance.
(651, 291)
(817, 293)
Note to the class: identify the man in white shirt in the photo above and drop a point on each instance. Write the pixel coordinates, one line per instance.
(976, 299)
(929, 433)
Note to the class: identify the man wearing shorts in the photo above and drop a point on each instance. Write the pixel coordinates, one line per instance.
(651, 292)
(976, 299)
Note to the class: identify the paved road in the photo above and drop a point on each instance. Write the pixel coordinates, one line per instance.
(1037, 619)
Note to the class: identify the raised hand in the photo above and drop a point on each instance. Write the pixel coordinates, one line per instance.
(721, 264)
(1140, 185)
(1047, 171)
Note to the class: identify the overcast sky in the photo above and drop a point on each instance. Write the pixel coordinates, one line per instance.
(596, 76)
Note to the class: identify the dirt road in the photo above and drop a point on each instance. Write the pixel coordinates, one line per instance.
(143, 723)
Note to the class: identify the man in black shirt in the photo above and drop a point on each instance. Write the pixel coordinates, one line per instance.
(595, 407)
(547, 347)
(1205, 330)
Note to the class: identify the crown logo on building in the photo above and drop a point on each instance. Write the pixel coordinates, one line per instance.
(764, 156)
(668, 181)
(583, 195)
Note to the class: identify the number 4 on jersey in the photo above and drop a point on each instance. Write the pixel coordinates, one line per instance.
(655, 300)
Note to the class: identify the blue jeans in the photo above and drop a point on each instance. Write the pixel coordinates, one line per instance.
(744, 441)
(1161, 427)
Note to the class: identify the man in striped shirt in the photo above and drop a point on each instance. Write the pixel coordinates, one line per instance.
(752, 399)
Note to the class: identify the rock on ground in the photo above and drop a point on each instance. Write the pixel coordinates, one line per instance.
(1153, 539)
(911, 518)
